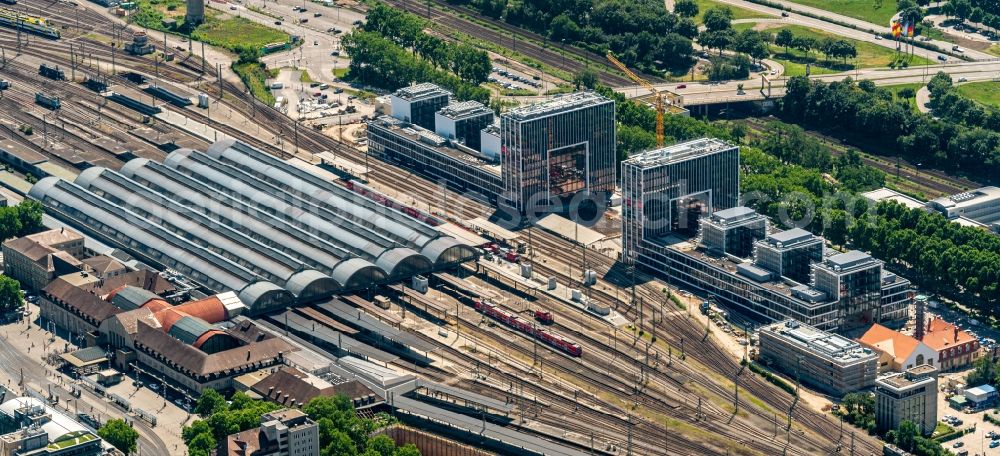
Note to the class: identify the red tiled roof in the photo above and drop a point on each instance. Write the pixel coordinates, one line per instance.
(898, 345)
(941, 335)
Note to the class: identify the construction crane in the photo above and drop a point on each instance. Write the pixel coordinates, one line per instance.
(660, 104)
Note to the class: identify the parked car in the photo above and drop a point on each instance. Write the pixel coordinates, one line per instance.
(681, 86)
(784, 14)
(958, 445)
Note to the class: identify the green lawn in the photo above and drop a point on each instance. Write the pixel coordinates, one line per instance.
(869, 55)
(738, 13)
(219, 29)
(237, 31)
(987, 92)
(254, 75)
(994, 49)
(896, 88)
(875, 11)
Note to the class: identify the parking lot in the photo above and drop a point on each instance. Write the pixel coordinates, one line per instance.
(981, 441)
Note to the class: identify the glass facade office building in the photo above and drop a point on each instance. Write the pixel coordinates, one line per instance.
(554, 150)
(667, 189)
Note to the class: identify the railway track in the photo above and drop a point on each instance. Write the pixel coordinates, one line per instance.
(710, 355)
(449, 15)
(935, 180)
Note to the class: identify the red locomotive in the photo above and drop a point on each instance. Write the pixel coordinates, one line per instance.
(524, 326)
(544, 317)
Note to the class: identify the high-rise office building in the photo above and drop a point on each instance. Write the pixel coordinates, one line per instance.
(418, 103)
(790, 253)
(667, 189)
(908, 396)
(854, 280)
(464, 122)
(553, 150)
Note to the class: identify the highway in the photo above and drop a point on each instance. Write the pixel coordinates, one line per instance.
(706, 93)
(866, 30)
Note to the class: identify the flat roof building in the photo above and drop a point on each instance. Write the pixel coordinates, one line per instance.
(464, 122)
(664, 194)
(981, 205)
(828, 362)
(418, 103)
(553, 150)
(461, 168)
(789, 253)
(733, 231)
(667, 189)
(908, 396)
(854, 280)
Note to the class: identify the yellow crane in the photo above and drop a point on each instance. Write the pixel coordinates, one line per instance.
(660, 104)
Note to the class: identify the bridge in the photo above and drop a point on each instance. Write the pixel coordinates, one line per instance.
(707, 93)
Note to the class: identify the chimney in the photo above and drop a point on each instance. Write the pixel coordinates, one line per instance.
(248, 355)
(956, 333)
(918, 332)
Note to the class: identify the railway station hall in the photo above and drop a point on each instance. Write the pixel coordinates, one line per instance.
(233, 218)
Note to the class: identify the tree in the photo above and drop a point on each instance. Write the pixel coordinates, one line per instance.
(563, 28)
(11, 296)
(10, 223)
(210, 403)
(29, 214)
(718, 18)
(718, 39)
(686, 8)
(585, 78)
(963, 8)
(906, 93)
(804, 44)
(119, 434)
(785, 39)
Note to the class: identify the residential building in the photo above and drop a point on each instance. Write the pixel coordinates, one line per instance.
(733, 231)
(854, 281)
(553, 150)
(955, 347)
(666, 189)
(463, 122)
(286, 432)
(418, 104)
(36, 259)
(790, 254)
(897, 351)
(828, 362)
(907, 396)
(29, 427)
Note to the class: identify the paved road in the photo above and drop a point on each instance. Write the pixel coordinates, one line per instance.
(866, 33)
(14, 362)
(704, 93)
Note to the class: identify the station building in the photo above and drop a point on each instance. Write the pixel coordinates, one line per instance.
(828, 362)
(665, 194)
(236, 219)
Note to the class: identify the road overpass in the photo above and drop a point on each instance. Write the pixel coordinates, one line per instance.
(698, 94)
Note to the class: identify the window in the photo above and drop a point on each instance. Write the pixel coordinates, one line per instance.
(920, 359)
